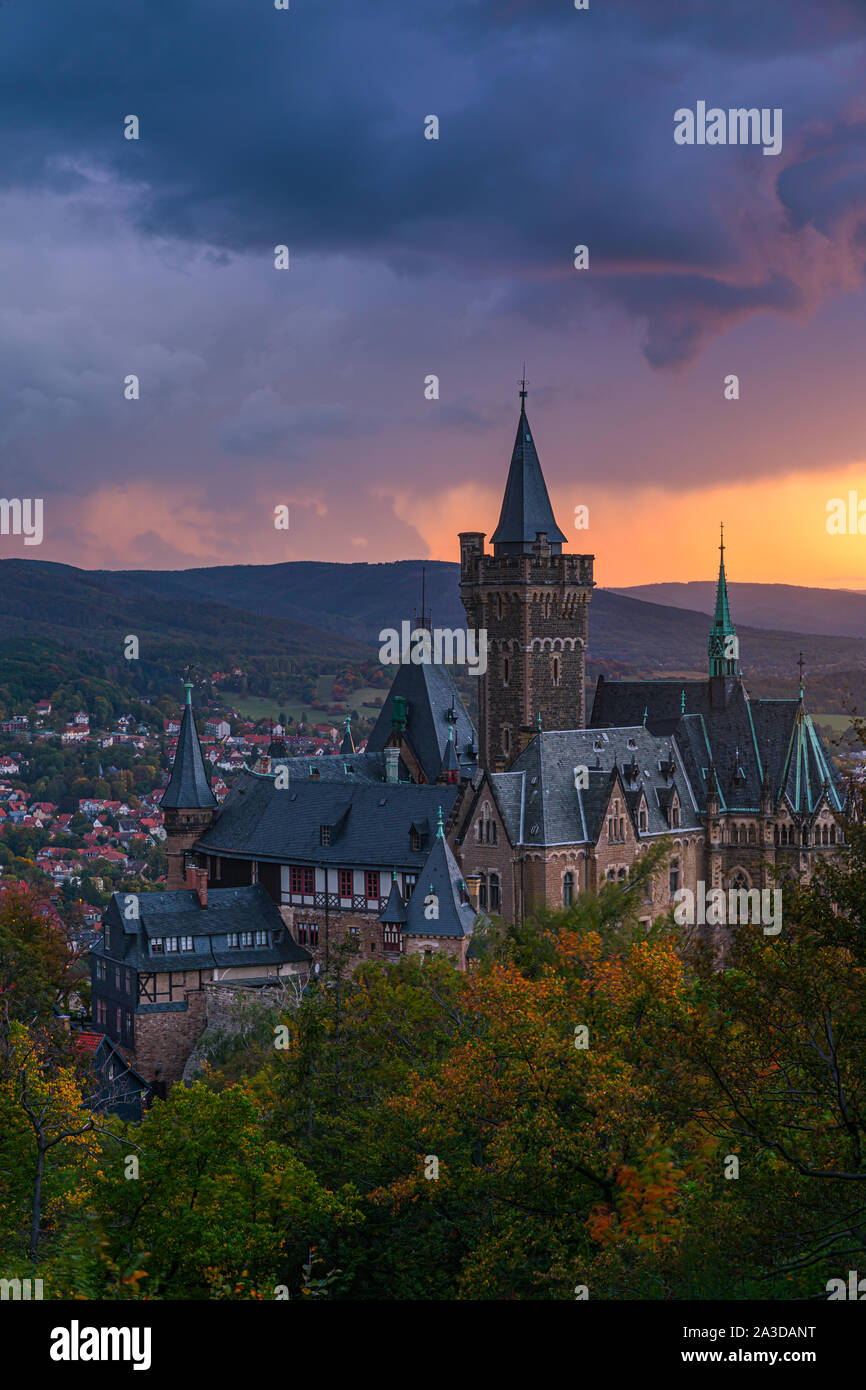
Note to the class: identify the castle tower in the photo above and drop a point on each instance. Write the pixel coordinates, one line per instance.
(532, 601)
(187, 802)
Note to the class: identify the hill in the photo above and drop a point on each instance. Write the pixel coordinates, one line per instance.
(833, 612)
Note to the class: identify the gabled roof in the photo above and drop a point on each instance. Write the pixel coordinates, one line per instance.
(430, 694)
(188, 786)
(732, 745)
(557, 809)
(262, 821)
(526, 508)
(180, 913)
(441, 877)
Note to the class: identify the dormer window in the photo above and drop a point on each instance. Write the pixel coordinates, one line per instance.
(156, 946)
(324, 834)
(642, 818)
(414, 840)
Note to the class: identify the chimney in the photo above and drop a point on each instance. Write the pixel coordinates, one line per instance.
(189, 876)
(392, 760)
(264, 765)
(201, 885)
(473, 884)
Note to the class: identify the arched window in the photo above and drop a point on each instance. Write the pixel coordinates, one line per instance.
(752, 835)
(495, 895)
(568, 889)
(506, 670)
(832, 834)
(556, 670)
(674, 876)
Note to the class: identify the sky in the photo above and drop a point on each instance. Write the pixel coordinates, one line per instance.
(410, 257)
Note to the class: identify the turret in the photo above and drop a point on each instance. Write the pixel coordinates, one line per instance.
(187, 803)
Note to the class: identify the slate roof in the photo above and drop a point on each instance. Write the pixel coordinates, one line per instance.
(394, 909)
(353, 767)
(188, 786)
(121, 1090)
(441, 876)
(526, 508)
(430, 693)
(179, 913)
(740, 741)
(369, 821)
(542, 806)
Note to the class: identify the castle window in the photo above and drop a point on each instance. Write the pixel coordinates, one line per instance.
(568, 889)
(556, 670)
(308, 933)
(156, 946)
(674, 876)
(415, 840)
(170, 944)
(832, 834)
(261, 938)
(100, 1011)
(409, 881)
(232, 941)
(642, 819)
(324, 834)
(506, 670)
(186, 943)
(371, 883)
(345, 883)
(675, 813)
(246, 938)
(100, 970)
(506, 741)
(482, 892)
(495, 896)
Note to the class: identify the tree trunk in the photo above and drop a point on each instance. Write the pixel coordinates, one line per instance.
(37, 1203)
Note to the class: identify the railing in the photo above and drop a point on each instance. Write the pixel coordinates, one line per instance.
(334, 902)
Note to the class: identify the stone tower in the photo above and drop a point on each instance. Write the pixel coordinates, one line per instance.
(187, 803)
(532, 601)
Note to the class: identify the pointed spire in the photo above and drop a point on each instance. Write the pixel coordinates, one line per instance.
(188, 787)
(348, 744)
(526, 510)
(723, 646)
(394, 911)
(440, 827)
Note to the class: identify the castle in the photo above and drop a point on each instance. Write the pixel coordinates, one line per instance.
(398, 849)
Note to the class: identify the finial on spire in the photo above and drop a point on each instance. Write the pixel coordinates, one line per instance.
(645, 713)
(801, 663)
(722, 543)
(523, 384)
(440, 828)
(188, 682)
(682, 702)
(539, 721)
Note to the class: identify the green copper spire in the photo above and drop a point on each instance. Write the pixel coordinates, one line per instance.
(440, 829)
(723, 646)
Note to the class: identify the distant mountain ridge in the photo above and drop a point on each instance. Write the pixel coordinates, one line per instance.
(831, 612)
(323, 609)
